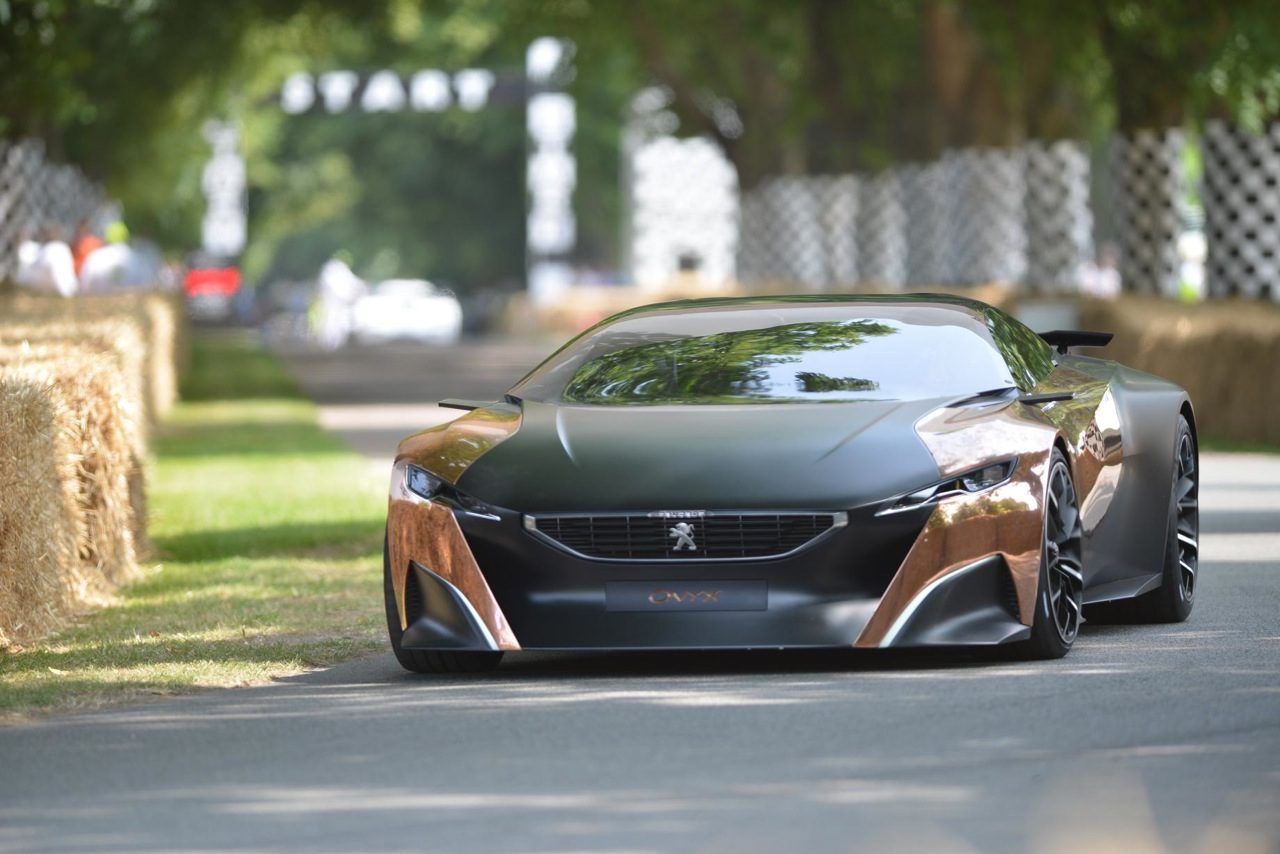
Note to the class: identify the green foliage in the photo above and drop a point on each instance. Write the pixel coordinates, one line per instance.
(123, 88)
(1029, 359)
(436, 195)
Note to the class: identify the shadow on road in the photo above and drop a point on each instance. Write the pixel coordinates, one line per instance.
(533, 667)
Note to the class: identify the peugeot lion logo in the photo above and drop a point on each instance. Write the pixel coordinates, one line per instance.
(683, 532)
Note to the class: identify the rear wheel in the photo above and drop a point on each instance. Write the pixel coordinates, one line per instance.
(1171, 602)
(1059, 600)
(424, 660)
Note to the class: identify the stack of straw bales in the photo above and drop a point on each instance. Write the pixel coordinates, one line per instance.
(1225, 353)
(79, 381)
(40, 577)
(158, 328)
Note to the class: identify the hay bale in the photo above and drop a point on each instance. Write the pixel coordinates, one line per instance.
(163, 323)
(108, 472)
(42, 581)
(158, 317)
(114, 339)
(1226, 353)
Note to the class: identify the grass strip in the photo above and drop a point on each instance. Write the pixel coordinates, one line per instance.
(267, 534)
(1234, 446)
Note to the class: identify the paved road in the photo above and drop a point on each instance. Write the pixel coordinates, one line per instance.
(1143, 739)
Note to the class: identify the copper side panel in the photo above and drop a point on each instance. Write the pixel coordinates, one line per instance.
(963, 529)
(1090, 423)
(448, 449)
(429, 534)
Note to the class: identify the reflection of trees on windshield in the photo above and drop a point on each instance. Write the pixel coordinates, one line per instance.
(727, 366)
(813, 382)
(1028, 357)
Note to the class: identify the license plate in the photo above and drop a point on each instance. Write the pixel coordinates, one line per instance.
(683, 595)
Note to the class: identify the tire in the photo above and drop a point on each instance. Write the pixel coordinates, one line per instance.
(424, 660)
(1171, 602)
(1060, 594)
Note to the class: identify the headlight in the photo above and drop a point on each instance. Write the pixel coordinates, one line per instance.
(427, 485)
(422, 482)
(980, 479)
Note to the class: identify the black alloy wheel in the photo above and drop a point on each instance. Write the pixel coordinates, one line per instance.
(1171, 602)
(1179, 559)
(1186, 515)
(1064, 576)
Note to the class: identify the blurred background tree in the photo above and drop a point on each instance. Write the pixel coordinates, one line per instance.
(123, 87)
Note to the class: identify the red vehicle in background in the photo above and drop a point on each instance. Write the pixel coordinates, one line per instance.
(211, 288)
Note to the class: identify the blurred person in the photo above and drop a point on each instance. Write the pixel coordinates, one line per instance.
(339, 288)
(1101, 279)
(117, 233)
(47, 265)
(86, 243)
(114, 266)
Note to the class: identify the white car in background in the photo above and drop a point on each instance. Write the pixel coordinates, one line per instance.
(406, 309)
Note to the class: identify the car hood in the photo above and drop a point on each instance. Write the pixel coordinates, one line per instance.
(762, 456)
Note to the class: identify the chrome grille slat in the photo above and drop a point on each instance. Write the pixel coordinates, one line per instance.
(718, 536)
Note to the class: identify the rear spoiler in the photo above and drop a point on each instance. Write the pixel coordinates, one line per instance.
(1064, 338)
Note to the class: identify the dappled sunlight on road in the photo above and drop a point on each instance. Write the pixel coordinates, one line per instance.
(1146, 738)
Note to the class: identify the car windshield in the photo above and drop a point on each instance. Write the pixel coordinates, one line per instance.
(774, 354)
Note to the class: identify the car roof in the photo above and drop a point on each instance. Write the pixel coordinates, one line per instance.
(975, 309)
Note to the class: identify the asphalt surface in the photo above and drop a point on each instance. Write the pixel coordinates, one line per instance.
(1144, 738)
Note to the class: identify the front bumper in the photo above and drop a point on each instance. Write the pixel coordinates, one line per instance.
(513, 584)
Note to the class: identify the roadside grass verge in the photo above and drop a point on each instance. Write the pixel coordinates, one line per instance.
(267, 536)
(1232, 446)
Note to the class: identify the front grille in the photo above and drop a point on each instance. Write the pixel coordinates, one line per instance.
(714, 536)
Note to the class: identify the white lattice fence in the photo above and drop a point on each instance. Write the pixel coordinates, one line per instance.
(1024, 216)
(1147, 171)
(882, 238)
(840, 228)
(796, 208)
(1059, 220)
(988, 227)
(14, 218)
(1242, 211)
(686, 206)
(801, 230)
(37, 195)
(972, 217)
(927, 197)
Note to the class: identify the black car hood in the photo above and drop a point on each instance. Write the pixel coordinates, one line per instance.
(763, 456)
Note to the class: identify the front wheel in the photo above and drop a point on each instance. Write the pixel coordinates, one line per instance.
(428, 660)
(1060, 598)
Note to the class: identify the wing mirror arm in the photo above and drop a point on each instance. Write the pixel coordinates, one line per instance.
(465, 405)
(1047, 397)
(508, 401)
